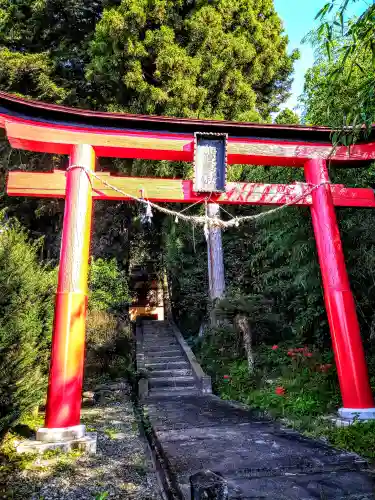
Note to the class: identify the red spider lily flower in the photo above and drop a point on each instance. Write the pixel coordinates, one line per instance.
(226, 377)
(274, 347)
(280, 391)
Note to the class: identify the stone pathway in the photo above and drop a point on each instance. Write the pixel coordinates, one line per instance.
(121, 469)
(258, 458)
(169, 372)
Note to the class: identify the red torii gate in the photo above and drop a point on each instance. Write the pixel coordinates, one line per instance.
(85, 135)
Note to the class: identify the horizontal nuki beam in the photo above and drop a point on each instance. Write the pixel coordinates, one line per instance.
(53, 185)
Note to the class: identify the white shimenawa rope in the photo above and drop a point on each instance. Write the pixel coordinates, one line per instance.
(196, 219)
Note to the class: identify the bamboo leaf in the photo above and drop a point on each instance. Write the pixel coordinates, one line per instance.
(329, 53)
(359, 67)
(323, 11)
(341, 16)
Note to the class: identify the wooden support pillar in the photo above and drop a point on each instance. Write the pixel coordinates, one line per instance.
(341, 311)
(215, 256)
(68, 340)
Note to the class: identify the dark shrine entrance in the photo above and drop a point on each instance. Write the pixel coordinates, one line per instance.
(86, 135)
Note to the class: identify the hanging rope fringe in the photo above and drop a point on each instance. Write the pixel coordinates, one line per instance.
(205, 220)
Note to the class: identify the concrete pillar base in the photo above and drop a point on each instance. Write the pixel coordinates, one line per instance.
(353, 414)
(47, 435)
(85, 444)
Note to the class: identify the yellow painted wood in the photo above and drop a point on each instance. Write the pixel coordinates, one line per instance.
(37, 133)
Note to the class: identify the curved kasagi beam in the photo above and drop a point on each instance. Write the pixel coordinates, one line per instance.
(37, 126)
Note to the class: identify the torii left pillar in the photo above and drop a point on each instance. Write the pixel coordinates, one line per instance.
(68, 340)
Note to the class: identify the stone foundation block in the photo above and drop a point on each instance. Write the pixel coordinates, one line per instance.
(85, 444)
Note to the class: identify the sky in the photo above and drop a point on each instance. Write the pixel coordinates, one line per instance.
(298, 18)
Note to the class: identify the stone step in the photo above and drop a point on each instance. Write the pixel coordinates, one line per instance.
(160, 331)
(163, 349)
(165, 392)
(171, 373)
(156, 327)
(164, 340)
(168, 365)
(161, 345)
(157, 342)
(161, 338)
(172, 381)
(163, 359)
(153, 335)
(154, 356)
(162, 352)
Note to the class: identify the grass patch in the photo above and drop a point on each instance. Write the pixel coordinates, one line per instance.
(358, 437)
(111, 432)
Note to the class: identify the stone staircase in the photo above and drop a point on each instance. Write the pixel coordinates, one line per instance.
(170, 365)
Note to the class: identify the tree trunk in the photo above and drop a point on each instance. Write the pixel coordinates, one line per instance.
(242, 325)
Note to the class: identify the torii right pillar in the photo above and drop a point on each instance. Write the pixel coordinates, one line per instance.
(341, 311)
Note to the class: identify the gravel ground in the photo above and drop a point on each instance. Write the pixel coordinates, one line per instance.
(121, 469)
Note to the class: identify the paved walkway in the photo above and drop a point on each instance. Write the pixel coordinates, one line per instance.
(258, 458)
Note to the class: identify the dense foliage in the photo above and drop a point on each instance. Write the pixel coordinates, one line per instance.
(220, 59)
(108, 286)
(348, 43)
(26, 312)
(287, 116)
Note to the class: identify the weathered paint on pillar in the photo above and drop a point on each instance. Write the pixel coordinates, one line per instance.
(215, 256)
(68, 340)
(341, 310)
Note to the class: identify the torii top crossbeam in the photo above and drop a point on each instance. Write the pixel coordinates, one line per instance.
(85, 135)
(49, 128)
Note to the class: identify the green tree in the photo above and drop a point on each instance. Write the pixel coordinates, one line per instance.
(287, 117)
(331, 101)
(214, 59)
(219, 59)
(108, 286)
(185, 257)
(349, 43)
(44, 47)
(207, 58)
(26, 312)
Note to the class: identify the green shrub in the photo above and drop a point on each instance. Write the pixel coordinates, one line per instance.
(236, 384)
(101, 328)
(26, 314)
(305, 377)
(359, 438)
(109, 348)
(108, 286)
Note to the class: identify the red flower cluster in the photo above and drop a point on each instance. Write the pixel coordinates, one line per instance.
(226, 377)
(275, 347)
(304, 351)
(280, 391)
(325, 368)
